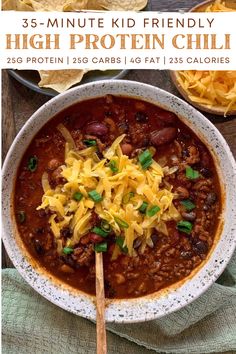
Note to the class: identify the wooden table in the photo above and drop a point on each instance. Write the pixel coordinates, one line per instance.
(19, 102)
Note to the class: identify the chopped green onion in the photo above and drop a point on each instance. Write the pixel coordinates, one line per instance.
(68, 250)
(123, 224)
(188, 204)
(143, 208)
(120, 243)
(32, 163)
(105, 226)
(21, 216)
(113, 166)
(191, 174)
(99, 231)
(100, 247)
(77, 196)
(95, 196)
(153, 210)
(90, 142)
(147, 164)
(185, 226)
(145, 159)
(127, 197)
(144, 156)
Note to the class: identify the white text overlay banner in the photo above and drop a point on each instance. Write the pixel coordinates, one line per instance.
(118, 40)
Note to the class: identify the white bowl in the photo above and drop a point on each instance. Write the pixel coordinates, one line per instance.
(162, 302)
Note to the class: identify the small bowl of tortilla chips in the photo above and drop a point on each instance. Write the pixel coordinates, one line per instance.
(52, 82)
(210, 91)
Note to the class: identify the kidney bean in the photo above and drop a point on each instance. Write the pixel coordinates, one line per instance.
(189, 216)
(163, 136)
(201, 247)
(95, 238)
(126, 149)
(167, 117)
(96, 129)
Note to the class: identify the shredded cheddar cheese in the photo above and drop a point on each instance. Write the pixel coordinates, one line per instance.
(213, 89)
(84, 174)
(218, 6)
(210, 88)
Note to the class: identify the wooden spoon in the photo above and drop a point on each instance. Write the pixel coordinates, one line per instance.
(100, 303)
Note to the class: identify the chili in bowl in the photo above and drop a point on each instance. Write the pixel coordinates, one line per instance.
(128, 170)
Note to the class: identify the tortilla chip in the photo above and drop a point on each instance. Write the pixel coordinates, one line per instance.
(76, 5)
(17, 5)
(73, 5)
(44, 5)
(49, 5)
(116, 5)
(60, 80)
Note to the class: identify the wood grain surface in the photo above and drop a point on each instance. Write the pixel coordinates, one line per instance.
(19, 102)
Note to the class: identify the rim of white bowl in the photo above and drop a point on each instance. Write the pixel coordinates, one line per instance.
(147, 307)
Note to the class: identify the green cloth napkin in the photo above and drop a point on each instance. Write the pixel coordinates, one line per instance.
(32, 325)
